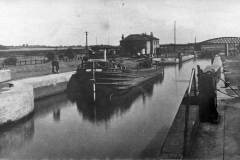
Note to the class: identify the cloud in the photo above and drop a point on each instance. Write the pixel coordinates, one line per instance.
(64, 22)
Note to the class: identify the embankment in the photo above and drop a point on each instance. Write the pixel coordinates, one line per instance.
(179, 141)
(17, 97)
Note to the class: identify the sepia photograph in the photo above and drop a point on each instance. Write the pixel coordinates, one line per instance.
(119, 79)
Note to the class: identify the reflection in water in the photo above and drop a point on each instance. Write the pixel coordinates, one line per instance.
(102, 111)
(17, 135)
(56, 115)
(152, 150)
(180, 66)
(49, 104)
(14, 137)
(137, 123)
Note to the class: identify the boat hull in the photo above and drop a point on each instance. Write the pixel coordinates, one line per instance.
(109, 86)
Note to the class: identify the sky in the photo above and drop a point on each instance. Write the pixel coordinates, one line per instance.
(64, 22)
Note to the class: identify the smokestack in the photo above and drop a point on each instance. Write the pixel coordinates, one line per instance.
(151, 34)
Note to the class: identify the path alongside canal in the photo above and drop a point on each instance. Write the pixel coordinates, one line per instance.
(222, 141)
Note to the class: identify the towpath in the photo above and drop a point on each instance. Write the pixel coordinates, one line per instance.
(222, 141)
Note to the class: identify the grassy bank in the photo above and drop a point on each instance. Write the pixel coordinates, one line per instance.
(23, 71)
(19, 72)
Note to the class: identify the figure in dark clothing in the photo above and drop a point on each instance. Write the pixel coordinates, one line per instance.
(207, 98)
(212, 58)
(55, 64)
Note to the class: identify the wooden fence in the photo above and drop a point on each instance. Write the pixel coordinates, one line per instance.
(30, 62)
(40, 61)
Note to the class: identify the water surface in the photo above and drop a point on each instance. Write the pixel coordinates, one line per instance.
(134, 128)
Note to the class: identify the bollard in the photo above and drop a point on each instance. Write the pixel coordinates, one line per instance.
(207, 81)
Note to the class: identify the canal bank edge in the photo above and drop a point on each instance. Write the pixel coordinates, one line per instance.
(48, 85)
(36, 87)
(222, 141)
(173, 146)
(17, 101)
(5, 75)
(17, 97)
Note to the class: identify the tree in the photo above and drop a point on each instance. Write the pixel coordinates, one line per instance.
(69, 53)
(10, 61)
(50, 56)
(61, 57)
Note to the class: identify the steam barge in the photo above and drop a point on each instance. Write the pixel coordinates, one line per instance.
(100, 80)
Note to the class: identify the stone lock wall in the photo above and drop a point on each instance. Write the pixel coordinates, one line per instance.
(16, 102)
(5, 75)
(48, 85)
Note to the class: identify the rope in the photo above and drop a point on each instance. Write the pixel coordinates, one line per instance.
(231, 88)
(226, 94)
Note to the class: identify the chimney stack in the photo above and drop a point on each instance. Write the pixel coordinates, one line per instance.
(122, 36)
(151, 34)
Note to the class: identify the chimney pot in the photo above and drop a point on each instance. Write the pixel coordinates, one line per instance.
(122, 36)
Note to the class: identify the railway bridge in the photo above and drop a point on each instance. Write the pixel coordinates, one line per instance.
(227, 45)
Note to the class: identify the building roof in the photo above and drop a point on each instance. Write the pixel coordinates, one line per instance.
(222, 40)
(97, 47)
(140, 37)
(178, 44)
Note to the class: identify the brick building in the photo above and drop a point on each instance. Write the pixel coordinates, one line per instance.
(139, 44)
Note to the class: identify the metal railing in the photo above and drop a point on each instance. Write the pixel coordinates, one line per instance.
(192, 82)
(191, 86)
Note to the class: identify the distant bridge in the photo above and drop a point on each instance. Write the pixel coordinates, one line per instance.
(227, 45)
(222, 40)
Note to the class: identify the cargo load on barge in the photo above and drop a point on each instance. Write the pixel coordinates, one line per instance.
(100, 80)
